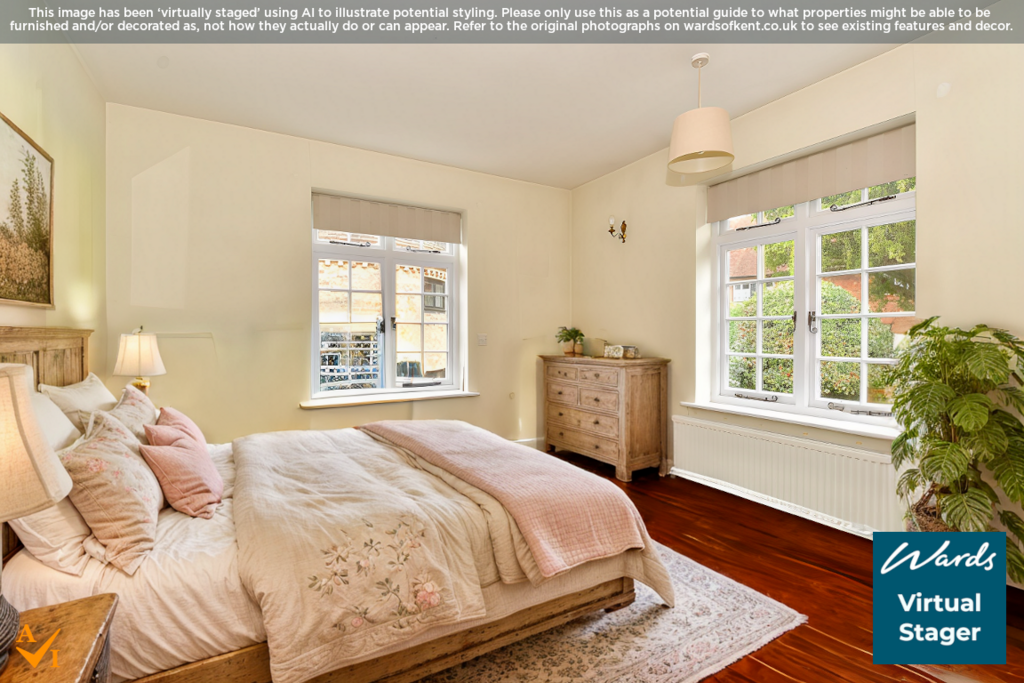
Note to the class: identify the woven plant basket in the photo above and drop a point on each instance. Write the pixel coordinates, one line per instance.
(925, 516)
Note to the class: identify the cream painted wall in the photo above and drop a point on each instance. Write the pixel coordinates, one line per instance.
(654, 290)
(45, 91)
(218, 263)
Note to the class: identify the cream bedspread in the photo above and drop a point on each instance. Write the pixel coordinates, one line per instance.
(351, 547)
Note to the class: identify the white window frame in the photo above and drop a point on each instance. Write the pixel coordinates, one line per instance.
(809, 222)
(389, 256)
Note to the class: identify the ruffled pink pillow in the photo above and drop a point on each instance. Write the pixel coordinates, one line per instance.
(178, 456)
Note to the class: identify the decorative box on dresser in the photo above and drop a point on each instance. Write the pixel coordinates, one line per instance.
(612, 410)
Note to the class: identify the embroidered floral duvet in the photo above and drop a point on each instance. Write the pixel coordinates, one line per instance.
(350, 545)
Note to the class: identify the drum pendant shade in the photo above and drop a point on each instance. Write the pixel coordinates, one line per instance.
(701, 141)
(702, 137)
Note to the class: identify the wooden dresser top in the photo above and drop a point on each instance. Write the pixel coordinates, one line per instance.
(613, 362)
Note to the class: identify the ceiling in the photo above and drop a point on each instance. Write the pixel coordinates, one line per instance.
(558, 115)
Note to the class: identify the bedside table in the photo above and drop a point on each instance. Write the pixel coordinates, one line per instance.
(81, 651)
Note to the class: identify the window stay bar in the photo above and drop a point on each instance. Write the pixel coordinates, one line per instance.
(425, 251)
(835, 208)
(767, 399)
(871, 413)
(762, 225)
(352, 244)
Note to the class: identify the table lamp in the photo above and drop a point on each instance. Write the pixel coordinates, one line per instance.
(31, 476)
(138, 356)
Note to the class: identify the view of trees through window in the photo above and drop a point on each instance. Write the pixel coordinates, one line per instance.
(864, 298)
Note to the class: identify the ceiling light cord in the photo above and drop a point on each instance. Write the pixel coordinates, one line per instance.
(699, 104)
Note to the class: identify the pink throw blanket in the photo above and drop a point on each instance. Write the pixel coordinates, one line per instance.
(568, 516)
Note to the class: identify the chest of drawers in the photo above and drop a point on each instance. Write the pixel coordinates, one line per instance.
(613, 410)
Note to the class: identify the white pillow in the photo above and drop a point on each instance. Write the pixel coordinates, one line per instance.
(56, 426)
(79, 401)
(56, 537)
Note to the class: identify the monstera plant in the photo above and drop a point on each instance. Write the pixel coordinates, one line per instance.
(957, 396)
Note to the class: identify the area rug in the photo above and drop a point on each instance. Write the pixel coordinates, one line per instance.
(715, 622)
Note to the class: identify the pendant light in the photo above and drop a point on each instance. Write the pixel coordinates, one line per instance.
(701, 137)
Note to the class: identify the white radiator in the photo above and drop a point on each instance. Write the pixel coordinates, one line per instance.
(848, 488)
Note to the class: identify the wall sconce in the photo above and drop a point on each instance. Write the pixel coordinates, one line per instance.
(621, 233)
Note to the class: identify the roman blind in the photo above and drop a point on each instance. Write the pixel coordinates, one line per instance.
(874, 160)
(346, 214)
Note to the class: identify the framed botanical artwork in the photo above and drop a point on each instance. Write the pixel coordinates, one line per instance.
(26, 219)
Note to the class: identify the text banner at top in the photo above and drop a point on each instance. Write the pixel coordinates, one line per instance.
(510, 21)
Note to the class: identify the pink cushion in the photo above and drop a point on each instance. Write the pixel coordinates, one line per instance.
(169, 417)
(178, 456)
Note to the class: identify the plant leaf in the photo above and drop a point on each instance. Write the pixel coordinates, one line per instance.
(970, 411)
(922, 326)
(968, 511)
(946, 462)
(987, 442)
(1009, 470)
(902, 449)
(1014, 561)
(930, 399)
(987, 362)
(909, 482)
(1013, 522)
(1013, 397)
(974, 476)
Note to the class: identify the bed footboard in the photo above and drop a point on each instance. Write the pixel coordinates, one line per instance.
(252, 664)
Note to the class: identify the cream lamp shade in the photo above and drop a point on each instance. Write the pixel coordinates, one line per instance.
(701, 141)
(701, 137)
(139, 356)
(31, 476)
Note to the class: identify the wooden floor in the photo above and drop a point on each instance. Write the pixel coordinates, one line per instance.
(821, 572)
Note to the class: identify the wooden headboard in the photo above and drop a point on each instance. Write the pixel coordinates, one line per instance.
(59, 356)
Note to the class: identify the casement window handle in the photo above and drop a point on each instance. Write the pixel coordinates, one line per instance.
(811, 319)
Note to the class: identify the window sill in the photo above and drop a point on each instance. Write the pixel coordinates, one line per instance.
(868, 430)
(373, 399)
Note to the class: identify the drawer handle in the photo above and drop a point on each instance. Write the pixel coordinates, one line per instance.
(561, 433)
(560, 415)
(559, 393)
(597, 400)
(596, 447)
(597, 422)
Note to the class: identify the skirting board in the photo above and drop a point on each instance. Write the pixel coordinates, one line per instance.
(770, 501)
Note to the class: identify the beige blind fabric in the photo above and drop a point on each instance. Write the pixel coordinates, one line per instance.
(872, 161)
(346, 214)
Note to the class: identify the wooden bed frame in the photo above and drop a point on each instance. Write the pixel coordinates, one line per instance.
(60, 356)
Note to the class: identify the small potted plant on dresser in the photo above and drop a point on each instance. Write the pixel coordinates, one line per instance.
(572, 340)
(957, 397)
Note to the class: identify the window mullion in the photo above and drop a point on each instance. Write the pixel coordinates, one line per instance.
(802, 277)
(390, 311)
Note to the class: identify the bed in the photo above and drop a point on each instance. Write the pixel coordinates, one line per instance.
(195, 611)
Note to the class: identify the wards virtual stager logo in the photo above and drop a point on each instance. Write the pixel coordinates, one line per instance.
(34, 658)
(939, 598)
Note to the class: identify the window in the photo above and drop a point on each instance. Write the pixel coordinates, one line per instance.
(383, 315)
(812, 302)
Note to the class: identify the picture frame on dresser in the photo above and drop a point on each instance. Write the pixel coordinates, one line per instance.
(614, 410)
(26, 219)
